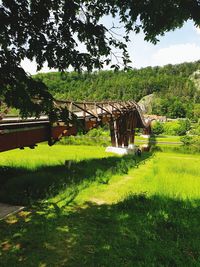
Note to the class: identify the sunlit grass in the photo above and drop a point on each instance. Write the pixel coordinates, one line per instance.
(147, 216)
(61, 172)
(171, 175)
(43, 155)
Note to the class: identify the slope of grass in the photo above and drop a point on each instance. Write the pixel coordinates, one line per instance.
(166, 174)
(28, 176)
(148, 216)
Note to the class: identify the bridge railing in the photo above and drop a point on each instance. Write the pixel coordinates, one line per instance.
(96, 108)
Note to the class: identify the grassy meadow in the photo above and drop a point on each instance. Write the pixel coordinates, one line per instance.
(159, 138)
(44, 155)
(86, 207)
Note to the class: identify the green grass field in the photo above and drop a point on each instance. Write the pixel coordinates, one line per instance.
(159, 138)
(30, 175)
(44, 155)
(102, 210)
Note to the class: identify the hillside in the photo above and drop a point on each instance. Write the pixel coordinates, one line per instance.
(174, 87)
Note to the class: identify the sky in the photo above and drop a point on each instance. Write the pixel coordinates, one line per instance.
(181, 45)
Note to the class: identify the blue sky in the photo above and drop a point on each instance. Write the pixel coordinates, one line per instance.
(181, 45)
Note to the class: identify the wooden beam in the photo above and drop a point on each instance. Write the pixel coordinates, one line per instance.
(112, 133)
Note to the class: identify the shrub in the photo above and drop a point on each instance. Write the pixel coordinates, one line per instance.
(157, 128)
(88, 139)
(196, 143)
(184, 126)
(170, 128)
(97, 136)
(123, 167)
(179, 127)
(192, 142)
(195, 129)
(102, 177)
(186, 140)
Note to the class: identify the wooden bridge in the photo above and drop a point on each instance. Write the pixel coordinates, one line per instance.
(122, 117)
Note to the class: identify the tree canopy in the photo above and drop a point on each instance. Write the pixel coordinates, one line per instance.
(50, 30)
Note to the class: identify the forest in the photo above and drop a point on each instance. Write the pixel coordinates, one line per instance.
(175, 88)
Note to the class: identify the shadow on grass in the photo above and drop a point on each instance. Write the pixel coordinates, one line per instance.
(138, 231)
(23, 186)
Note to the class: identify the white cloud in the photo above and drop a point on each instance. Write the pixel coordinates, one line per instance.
(175, 54)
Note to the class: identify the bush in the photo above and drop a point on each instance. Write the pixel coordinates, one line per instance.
(123, 167)
(179, 127)
(195, 129)
(186, 140)
(102, 176)
(170, 128)
(98, 132)
(96, 136)
(184, 126)
(196, 143)
(157, 128)
(193, 142)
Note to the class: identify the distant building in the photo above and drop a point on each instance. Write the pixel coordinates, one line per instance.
(155, 117)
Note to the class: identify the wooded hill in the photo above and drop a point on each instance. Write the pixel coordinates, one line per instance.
(174, 87)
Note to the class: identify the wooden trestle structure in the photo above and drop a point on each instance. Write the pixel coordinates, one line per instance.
(122, 117)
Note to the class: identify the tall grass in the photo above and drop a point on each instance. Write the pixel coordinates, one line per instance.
(28, 175)
(56, 172)
(59, 172)
(144, 214)
(43, 155)
(171, 175)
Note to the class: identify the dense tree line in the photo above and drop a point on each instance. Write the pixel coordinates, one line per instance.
(175, 93)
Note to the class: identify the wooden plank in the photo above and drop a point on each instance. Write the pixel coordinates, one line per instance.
(22, 138)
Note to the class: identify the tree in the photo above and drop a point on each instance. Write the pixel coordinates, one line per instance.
(49, 30)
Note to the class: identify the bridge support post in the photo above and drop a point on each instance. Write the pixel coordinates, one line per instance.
(125, 131)
(121, 131)
(133, 123)
(113, 133)
(116, 132)
(132, 137)
(147, 131)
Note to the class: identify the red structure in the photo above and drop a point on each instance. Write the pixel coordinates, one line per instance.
(123, 118)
